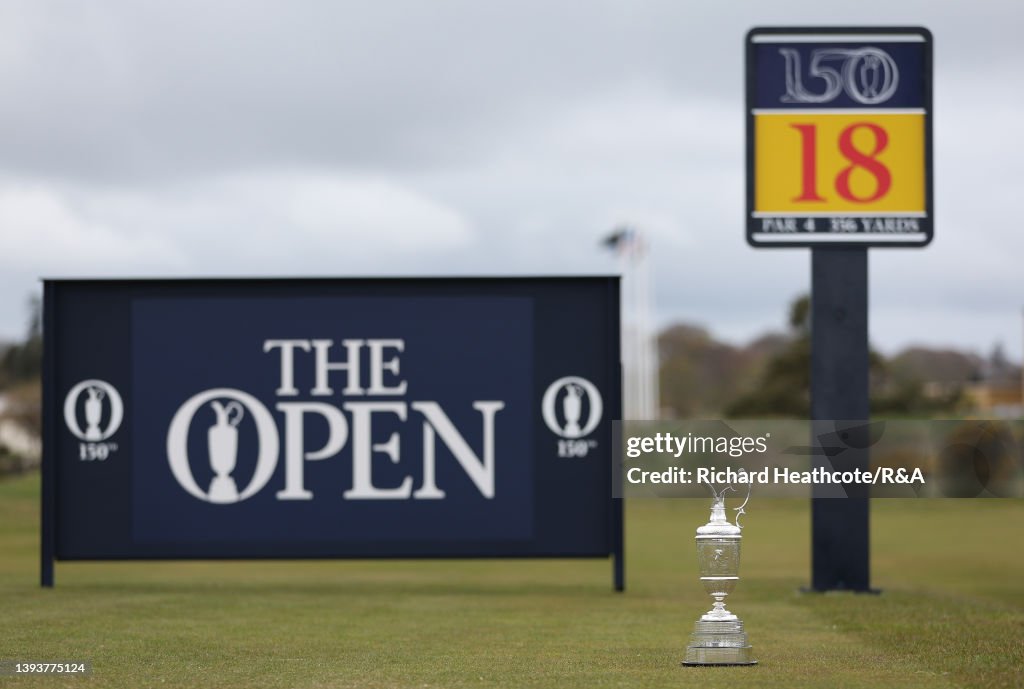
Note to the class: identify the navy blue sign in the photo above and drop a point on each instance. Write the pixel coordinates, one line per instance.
(854, 74)
(330, 418)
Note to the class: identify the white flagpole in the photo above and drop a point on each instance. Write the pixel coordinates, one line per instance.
(639, 347)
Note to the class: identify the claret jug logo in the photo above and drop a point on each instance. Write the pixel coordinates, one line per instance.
(226, 407)
(93, 395)
(225, 413)
(101, 409)
(562, 408)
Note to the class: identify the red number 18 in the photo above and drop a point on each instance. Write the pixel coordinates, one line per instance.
(858, 159)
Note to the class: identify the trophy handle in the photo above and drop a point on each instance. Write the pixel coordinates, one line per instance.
(739, 510)
(233, 413)
(719, 495)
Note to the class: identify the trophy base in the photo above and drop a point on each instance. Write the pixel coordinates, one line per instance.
(711, 655)
(719, 642)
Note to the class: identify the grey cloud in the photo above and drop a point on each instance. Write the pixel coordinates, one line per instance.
(129, 90)
(520, 132)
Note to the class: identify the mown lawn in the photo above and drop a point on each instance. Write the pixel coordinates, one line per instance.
(951, 614)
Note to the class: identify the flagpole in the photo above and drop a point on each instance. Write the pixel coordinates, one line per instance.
(639, 348)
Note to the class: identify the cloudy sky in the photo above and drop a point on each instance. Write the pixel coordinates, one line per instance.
(464, 137)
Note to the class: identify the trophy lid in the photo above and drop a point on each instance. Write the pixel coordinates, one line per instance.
(718, 525)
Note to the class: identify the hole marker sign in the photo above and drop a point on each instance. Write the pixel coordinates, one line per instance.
(839, 137)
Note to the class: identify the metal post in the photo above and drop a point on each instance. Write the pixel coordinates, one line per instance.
(47, 527)
(618, 546)
(839, 391)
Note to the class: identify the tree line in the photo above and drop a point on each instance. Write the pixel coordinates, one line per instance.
(770, 376)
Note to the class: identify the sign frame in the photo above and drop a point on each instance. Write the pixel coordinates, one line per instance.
(398, 286)
(806, 239)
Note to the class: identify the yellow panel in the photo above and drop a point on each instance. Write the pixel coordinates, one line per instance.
(895, 175)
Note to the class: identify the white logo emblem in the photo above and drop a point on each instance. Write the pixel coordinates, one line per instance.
(96, 392)
(222, 444)
(867, 75)
(571, 390)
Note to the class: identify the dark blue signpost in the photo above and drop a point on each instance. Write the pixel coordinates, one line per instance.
(839, 159)
(330, 419)
(840, 548)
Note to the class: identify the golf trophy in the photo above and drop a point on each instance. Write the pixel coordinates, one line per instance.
(718, 637)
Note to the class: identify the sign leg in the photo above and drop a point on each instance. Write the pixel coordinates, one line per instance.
(47, 535)
(839, 391)
(618, 549)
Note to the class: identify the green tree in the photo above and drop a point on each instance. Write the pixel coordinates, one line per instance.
(24, 362)
(783, 388)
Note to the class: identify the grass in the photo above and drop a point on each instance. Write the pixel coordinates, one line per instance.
(951, 615)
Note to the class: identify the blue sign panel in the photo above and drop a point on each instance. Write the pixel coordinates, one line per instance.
(839, 137)
(330, 418)
(849, 71)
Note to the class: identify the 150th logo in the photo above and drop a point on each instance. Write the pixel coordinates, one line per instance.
(99, 404)
(868, 76)
(562, 408)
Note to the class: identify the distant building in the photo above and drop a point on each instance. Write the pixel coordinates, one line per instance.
(17, 441)
(996, 399)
